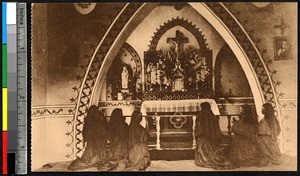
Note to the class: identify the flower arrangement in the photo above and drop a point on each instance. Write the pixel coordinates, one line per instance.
(163, 62)
(127, 95)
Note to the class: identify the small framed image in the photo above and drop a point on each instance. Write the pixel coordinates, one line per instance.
(282, 48)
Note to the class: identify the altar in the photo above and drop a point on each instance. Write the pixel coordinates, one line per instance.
(171, 123)
(177, 78)
(179, 106)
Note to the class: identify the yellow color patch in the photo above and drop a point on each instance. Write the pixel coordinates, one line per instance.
(4, 109)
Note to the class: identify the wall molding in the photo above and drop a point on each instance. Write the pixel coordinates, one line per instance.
(235, 100)
(52, 111)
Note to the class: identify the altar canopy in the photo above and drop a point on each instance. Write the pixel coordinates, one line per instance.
(177, 106)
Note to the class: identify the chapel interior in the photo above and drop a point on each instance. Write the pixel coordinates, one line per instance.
(168, 59)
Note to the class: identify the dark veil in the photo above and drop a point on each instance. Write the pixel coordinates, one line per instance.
(207, 124)
(91, 123)
(136, 130)
(116, 119)
(271, 120)
(248, 115)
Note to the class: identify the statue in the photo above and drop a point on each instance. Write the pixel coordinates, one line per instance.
(158, 73)
(176, 48)
(204, 70)
(153, 74)
(124, 78)
(178, 78)
(178, 73)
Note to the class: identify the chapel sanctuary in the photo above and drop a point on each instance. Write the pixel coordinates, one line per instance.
(167, 62)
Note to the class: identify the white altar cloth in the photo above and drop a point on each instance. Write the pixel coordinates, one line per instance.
(178, 106)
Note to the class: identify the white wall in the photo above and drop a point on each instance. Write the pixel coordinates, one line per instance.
(49, 139)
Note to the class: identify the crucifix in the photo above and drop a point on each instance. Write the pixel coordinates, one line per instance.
(282, 26)
(178, 41)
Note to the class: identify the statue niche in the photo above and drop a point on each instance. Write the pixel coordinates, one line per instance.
(120, 79)
(178, 72)
(123, 80)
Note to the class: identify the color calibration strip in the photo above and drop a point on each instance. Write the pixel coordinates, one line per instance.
(12, 128)
(9, 88)
(21, 78)
(4, 90)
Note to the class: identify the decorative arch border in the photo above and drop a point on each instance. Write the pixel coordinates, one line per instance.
(85, 90)
(83, 100)
(178, 22)
(243, 21)
(255, 58)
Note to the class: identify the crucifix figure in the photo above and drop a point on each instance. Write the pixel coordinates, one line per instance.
(178, 73)
(178, 41)
(282, 26)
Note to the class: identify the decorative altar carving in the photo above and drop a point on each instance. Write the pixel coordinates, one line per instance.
(178, 121)
(178, 70)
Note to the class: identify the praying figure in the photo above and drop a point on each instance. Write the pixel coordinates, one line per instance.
(124, 78)
(139, 156)
(118, 138)
(243, 148)
(268, 131)
(208, 152)
(94, 137)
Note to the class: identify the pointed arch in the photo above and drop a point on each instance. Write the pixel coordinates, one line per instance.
(132, 14)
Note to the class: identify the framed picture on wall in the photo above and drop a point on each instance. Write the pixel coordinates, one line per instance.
(282, 48)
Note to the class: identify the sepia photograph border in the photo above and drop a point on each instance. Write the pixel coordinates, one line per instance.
(151, 172)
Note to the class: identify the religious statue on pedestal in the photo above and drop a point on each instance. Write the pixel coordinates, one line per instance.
(204, 72)
(125, 92)
(124, 78)
(178, 78)
(153, 74)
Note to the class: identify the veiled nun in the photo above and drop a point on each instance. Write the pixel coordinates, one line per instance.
(94, 139)
(243, 148)
(139, 156)
(118, 138)
(268, 131)
(208, 152)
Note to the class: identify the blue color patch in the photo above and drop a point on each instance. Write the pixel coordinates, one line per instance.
(4, 32)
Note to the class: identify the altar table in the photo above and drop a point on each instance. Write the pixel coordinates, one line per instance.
(159, 106)
(192, 105)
